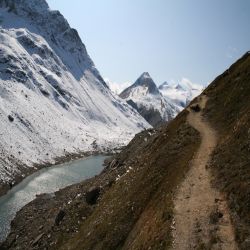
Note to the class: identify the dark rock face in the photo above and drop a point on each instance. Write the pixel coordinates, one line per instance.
(11, 118)
(152, 116)
(59, 217)
(196, 108)
(92, 195)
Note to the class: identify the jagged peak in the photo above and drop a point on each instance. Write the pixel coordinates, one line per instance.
(164, 85)
(145, 81)
(38, 6)
(145, 75)
(56, 30)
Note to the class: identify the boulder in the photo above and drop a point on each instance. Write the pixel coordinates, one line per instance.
(11, 118)
(92, 195)
(37, 239)
(196, 108)
(59, 217)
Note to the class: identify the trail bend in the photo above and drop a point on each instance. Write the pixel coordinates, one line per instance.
(201, 217)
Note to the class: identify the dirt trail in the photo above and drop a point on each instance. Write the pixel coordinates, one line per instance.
(201, 219)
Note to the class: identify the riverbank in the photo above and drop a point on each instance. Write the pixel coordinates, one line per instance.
(46, 181)
(68, 157)
(70, 203)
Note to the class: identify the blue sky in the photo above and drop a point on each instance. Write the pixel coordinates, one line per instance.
(171, 40)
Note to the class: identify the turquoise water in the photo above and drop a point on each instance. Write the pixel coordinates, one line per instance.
(47, 180)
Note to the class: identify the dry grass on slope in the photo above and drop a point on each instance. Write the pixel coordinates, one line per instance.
(136, 212)
(228, 110)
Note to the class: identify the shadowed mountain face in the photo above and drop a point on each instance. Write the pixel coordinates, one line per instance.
(138, 186)
(146, 98)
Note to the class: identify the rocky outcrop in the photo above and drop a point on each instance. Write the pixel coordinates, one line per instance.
(92, 195)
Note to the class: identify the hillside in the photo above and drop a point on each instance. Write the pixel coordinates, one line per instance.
(228, 111)
(53, 101)
(141, 186)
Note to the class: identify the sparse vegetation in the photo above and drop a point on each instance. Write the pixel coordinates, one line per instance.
(229, 112)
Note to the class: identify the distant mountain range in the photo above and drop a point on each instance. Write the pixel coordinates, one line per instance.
(159, 104)
(181, 93)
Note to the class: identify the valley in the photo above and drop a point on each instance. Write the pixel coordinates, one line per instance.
(163, 165)
(144, 186)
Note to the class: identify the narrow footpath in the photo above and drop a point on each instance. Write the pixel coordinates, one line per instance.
(201, 217)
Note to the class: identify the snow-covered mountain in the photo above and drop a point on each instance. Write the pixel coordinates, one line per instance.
(144, 96)
(53, 100)
(181, 93)
(159, 104)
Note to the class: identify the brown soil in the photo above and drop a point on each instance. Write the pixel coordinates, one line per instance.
(201, 219)
(228, 111)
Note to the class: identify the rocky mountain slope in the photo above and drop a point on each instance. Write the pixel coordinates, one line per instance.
(145, 97)
(53, 101)
(140, 189)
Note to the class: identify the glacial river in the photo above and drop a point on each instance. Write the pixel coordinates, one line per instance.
(46, 180)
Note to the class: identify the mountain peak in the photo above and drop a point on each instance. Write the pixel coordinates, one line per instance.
(19, 6)
(145, 75)
(145, 80)
(146, 98)
(52, 25)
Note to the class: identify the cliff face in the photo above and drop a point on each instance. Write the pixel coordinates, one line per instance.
(53, 101)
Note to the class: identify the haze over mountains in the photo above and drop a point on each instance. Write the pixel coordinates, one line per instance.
(53, 100)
